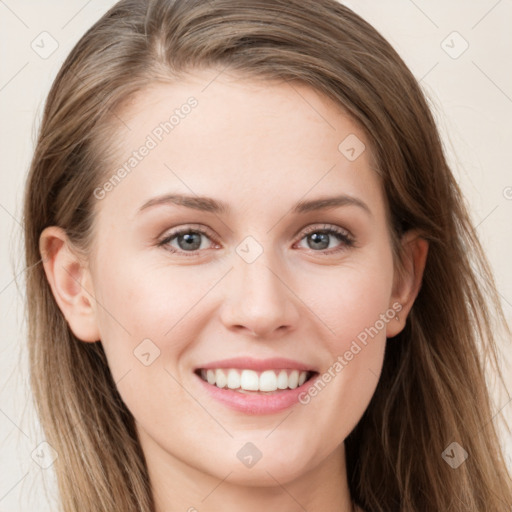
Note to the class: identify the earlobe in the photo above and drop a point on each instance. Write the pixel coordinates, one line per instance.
(407, 284)
(70, 282)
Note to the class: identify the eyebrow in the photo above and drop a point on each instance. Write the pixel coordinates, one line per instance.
(208, 204)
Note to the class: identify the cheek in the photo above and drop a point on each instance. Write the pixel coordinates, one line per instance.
(135, 298)
(146, 308)
(146, 322)
(351, 299)
(356, 312)
(352, 303)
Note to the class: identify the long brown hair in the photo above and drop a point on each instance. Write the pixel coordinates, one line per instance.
(433, 389)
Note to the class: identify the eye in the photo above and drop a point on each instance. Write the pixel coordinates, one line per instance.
(319, 238)
(187, 239)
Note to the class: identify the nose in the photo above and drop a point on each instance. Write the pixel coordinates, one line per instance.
(259, 301)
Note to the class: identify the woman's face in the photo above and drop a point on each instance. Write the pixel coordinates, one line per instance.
(259, 277)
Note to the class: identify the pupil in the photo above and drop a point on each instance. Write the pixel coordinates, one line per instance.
(190, 242)
(320, 238)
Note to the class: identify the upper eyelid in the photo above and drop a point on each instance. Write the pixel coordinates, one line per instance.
(202, 228)
(326, 227)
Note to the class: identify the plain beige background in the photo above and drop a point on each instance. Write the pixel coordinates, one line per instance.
(461, 51)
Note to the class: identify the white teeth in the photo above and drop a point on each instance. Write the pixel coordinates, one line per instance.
(210, 376)
(220, 378)
(268, 381)
(233, 379)
(250, 380)
(293, 379)
(282, 380)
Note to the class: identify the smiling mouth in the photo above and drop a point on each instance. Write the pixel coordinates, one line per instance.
(255, 382)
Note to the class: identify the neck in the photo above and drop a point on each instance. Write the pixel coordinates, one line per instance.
(178, 486)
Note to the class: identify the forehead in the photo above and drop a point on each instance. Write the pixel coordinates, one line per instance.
(249, 142)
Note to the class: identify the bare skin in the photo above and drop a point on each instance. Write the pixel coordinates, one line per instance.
(260, 147)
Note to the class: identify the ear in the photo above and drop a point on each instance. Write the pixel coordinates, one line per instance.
(70, 282)
(407, 284)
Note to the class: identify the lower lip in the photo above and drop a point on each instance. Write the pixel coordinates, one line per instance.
(252, 403)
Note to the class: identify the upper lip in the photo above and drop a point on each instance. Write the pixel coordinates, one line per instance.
(258, 364)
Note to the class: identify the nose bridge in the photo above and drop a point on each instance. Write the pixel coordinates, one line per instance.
(258, 297)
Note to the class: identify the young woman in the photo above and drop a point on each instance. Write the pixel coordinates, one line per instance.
(253, 280)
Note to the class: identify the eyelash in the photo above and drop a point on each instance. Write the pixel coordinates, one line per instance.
(341, 234)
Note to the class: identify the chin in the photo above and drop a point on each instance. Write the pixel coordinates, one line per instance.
(262, 474)
(263, 461)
